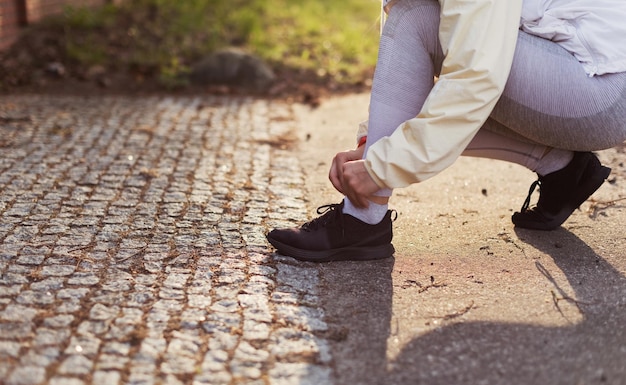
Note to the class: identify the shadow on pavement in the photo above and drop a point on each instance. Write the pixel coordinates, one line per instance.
(591, 350)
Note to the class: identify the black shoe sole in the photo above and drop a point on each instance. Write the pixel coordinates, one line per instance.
(534, 219)
(361, 253)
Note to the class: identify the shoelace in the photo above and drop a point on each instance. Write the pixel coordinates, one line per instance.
(331, 213)
(530, 193)
(328, 213)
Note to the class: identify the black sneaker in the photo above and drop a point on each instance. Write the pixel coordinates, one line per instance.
(335, 236)
(562, 192)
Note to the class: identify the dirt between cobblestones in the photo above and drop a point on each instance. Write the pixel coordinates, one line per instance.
(468, 298)
(132, 244)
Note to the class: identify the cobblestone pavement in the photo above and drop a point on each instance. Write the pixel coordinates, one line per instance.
(132, 246)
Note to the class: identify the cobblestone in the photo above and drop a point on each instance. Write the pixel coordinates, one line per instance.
(132, 245)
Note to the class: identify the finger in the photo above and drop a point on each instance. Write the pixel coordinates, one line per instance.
(357, 200)
(335, 175)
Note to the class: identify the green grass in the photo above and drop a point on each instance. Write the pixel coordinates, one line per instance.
(336, 39)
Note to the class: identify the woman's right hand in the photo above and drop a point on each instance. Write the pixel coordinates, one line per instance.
(336, 169)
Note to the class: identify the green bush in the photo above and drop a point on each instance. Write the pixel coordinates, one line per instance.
(338, 39)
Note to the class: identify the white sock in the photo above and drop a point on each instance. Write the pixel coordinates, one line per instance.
(371, 215)
(554, 160)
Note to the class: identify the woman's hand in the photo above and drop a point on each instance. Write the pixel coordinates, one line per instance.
(358, 185)
(336, 169)
(350, 177)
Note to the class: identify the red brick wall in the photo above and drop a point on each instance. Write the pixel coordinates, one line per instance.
(11, 19)
(16, 13)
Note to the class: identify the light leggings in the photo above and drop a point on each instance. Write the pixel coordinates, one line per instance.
(548, 101)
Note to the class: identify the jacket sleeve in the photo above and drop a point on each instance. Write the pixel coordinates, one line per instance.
(478, 39)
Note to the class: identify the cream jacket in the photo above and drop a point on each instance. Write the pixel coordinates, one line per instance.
(478, 38)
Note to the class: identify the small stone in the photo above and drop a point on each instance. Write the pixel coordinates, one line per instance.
(65, 381)
(10, 348)
(233, 67)
(27, 375)
(56, 69)
(18, 313)
(76, 364)
(106, 378)
(58, 270)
